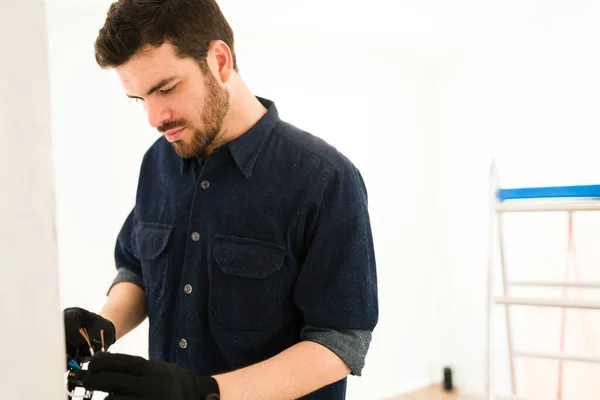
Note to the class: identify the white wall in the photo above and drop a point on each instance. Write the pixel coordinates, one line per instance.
(99, 139)
(530, 98)
(31, 340)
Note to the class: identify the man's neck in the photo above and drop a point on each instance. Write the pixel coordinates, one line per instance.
(245, 113)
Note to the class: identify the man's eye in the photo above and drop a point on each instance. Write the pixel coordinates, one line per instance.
(167, 91)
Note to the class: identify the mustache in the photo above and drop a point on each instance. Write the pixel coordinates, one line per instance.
(180, 123)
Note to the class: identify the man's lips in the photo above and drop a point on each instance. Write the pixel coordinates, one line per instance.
(174, 130)
(173, 134)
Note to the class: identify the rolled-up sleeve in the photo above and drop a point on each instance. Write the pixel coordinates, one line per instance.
(126, 275)
(349, 345)
(127, 264)
(336, 288)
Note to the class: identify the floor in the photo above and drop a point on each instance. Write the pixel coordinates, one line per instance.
(434, 392)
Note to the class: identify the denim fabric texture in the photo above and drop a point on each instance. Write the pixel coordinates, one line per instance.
(266, 243)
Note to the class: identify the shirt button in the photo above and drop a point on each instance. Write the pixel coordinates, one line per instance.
(195, 236)
(187, 289)
(204, 184)
(183, 343)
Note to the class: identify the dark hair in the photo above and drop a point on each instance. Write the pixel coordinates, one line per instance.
(190, 25)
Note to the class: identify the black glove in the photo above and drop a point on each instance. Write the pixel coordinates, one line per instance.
(127, 377)
(77, 347)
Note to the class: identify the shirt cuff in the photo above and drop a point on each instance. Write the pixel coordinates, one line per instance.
(348, 344)
(126, 275)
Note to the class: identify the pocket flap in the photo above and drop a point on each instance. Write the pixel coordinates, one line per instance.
(248, 258)
(152, 239)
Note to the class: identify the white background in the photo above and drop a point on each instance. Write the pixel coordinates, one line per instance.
(420, 95)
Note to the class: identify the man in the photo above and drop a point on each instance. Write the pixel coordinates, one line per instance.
(249, 247)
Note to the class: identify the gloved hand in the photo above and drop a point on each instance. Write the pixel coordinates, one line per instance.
(127, 377)
(77, 347)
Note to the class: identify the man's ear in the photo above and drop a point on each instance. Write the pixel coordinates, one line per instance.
(222, 60)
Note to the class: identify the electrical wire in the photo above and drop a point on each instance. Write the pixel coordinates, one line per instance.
(73, 364)
(85, 335)
(72, 394)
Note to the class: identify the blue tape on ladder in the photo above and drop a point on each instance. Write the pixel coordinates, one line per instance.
(588, 191)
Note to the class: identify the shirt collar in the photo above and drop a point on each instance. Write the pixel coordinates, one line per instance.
(246, 148)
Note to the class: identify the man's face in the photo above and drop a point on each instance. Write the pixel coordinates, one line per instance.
(184, 104)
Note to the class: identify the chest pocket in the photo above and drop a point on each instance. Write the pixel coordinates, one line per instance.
(245, 282)
(152, 242)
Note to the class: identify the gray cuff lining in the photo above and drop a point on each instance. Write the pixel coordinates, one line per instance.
(126, 275)
(350, 345)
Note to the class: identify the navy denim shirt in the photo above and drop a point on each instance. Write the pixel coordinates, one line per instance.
(262, 245)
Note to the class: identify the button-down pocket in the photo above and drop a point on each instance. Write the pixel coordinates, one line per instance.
(152, 241)
(246, 282)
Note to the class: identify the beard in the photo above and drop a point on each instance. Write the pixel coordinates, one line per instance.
(216, 105)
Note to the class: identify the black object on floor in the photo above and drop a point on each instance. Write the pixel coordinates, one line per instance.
(448, 386)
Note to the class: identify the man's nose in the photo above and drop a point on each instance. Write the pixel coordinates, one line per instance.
(158, 113)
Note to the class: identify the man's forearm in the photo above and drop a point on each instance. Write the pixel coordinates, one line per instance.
(126, 307)
(293, 373)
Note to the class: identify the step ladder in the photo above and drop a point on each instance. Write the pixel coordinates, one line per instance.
(569, 199)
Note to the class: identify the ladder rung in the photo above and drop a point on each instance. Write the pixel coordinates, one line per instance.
(510, 397)
(524, 301)
(516, 206)
(582, 285)
(558, 356)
